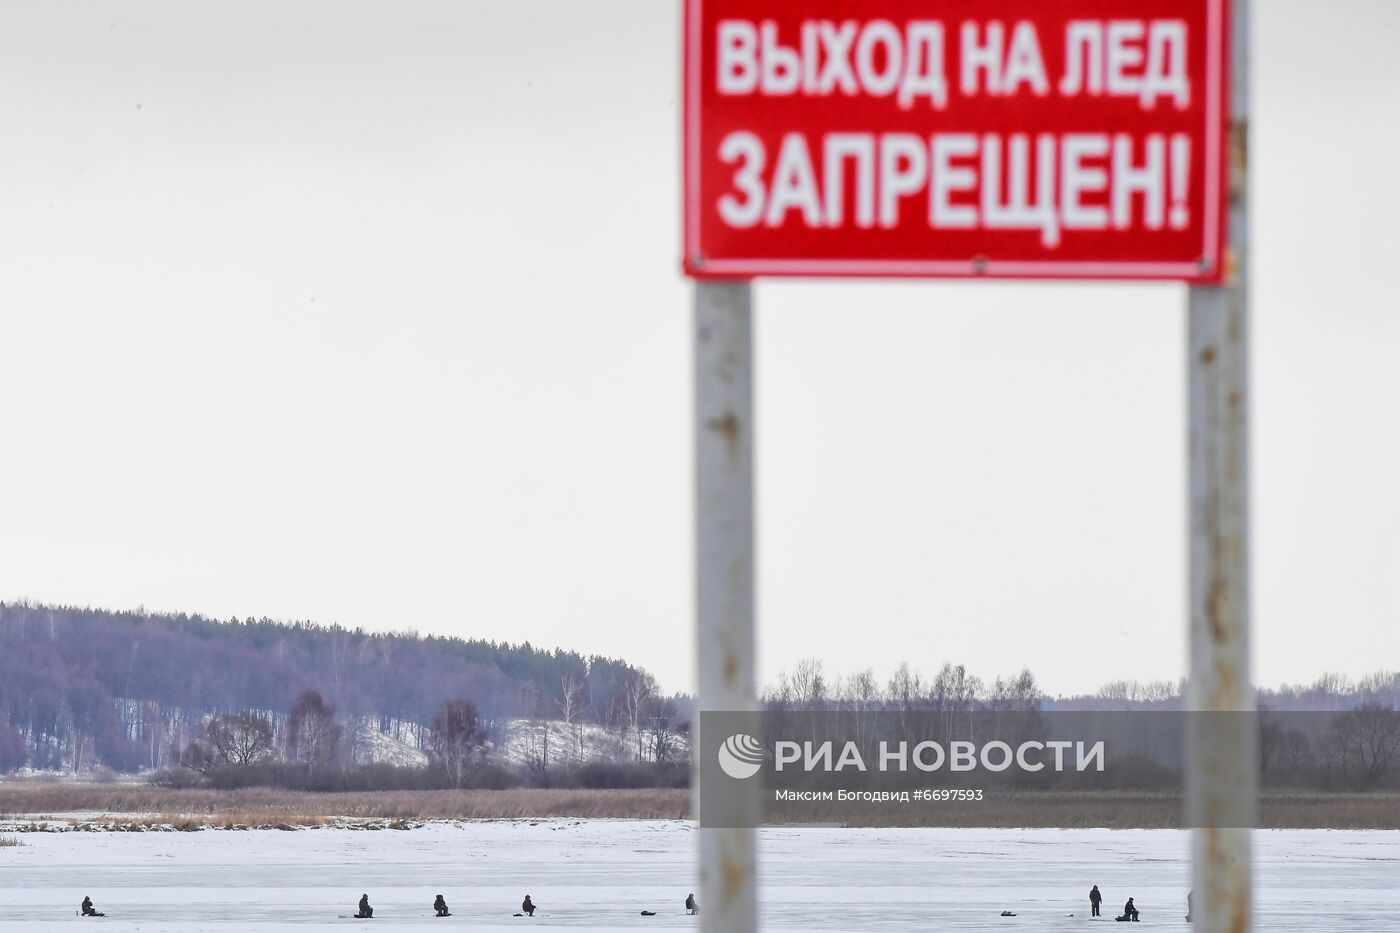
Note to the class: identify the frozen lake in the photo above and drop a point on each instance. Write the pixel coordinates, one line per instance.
(599, 875)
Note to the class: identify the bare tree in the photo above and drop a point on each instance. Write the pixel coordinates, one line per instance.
(242, 739)
(904, 694)
(781, 696)
(570, 707)
(535, 746)
(904, 687)
(954, 695)
(661, 730)
(1363, 744)
(863, 689)
(863, 696)
(458, 740)
(313, 735)
(637, 690)
(809, 691)
(1332, 690)
(1024, 693)
(1118, 691)
(238, 740)
(809, 684)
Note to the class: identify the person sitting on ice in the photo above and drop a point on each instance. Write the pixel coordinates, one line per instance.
(366, 911)
(527, 907)
(89, 910)
(1129, 912)
(690, 906)
(440, 906)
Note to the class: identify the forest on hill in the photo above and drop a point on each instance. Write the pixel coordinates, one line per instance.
(299, 705)
(131, 690)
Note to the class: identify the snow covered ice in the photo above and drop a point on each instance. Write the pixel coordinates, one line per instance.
(600, 874)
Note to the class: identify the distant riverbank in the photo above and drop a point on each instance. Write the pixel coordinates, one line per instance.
(140, 807)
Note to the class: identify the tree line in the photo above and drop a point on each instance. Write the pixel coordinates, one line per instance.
(1334, 734)
(133, 691)
(810, 685)
(303, 705)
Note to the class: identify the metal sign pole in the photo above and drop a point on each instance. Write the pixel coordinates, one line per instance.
(1222, 756)
(724, 555)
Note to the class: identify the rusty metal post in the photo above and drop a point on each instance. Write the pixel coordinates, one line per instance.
(724, 522)
(1222, 756)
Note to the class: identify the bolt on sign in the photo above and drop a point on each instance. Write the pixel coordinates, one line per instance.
(1010, 138)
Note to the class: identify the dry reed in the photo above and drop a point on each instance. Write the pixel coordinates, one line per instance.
(144, 806)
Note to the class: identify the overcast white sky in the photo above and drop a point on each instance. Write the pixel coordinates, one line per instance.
(369, 313)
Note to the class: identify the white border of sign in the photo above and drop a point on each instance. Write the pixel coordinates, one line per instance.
(957, 268)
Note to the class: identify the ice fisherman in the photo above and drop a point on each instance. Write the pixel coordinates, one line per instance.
(690, 906)
(527, 907)
(88, 909)
(366, 911)
(1129, 911)
(440, 906)
(1094, 898)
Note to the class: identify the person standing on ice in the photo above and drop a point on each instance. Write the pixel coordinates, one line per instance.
(527, 907)
(366, 911)
(690, 906)
(1094, 898)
